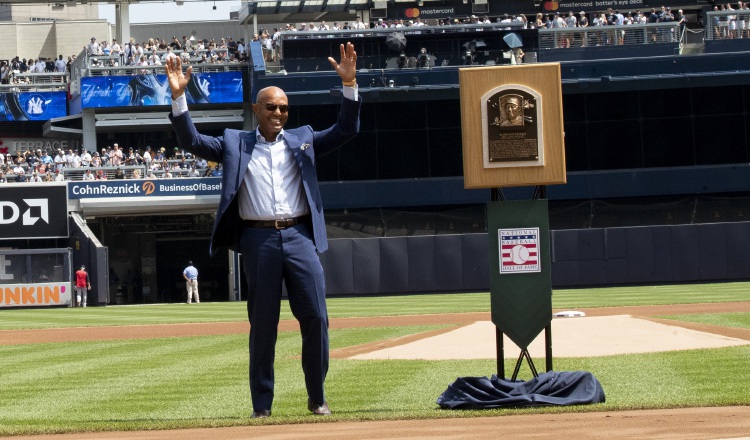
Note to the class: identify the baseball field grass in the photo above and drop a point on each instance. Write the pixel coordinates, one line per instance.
(201, 381)
(369, 306)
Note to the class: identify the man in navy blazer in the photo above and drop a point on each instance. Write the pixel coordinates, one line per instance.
(271, 211)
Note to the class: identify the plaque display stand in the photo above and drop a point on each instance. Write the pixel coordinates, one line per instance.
(512, 134)
(520, 275)
(540, 192)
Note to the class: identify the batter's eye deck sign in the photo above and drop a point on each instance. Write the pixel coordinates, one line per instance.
(519, 250)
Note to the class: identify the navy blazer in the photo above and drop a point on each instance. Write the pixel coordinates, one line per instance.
(234, 149)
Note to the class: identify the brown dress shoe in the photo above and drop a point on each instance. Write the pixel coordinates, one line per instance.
(319, 409)
(262, 414)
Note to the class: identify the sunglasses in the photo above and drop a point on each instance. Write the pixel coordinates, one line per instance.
(272, 108)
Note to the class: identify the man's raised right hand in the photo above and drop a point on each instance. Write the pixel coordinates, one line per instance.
(178, 80)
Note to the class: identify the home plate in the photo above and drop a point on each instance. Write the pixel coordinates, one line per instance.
(578, 337)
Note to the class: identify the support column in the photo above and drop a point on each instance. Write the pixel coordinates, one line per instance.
(249, 119)
(122, 22)
(88, 120)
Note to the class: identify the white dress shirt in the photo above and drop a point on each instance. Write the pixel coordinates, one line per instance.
(272, 186)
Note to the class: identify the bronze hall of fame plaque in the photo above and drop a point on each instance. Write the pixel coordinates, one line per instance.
(512, 127)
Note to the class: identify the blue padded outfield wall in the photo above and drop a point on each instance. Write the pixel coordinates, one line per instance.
(432, 263)
(582, 257)
(651, 254)
(149, 90)
(32, 106)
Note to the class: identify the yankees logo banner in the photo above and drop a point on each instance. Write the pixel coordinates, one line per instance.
(32, 106)
(33, 211)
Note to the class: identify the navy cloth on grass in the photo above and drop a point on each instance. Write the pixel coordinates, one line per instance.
(550, 388)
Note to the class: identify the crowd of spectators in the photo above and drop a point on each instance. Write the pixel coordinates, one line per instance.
(734, 25)
(46, 166)
(611, 18)
(398, 23)
(15, 71)
(154, 51)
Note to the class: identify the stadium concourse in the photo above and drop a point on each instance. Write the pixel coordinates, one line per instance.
(592, 335)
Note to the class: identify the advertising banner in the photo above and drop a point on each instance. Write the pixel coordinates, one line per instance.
(203, 186)
(434, 10)
(590, 5)
(13, 146)
(32, 106)
(35, 295)
(151, 90)
(33, 211)
(442, 11)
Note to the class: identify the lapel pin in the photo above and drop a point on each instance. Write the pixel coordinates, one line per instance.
(304, 147)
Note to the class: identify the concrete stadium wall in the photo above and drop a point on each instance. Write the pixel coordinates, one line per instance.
(49, 38)
(584, 257)
(9, 37)
(68, 37)
(52, 11)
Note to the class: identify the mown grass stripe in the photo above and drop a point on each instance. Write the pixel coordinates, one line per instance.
(191, 382)
(362, 389)
(738, 320)
(371, 306)
(87, 382)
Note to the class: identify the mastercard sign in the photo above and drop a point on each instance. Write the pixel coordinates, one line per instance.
(429, 12)
(550, 6)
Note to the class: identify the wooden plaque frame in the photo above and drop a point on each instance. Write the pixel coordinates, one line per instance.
(541, 80)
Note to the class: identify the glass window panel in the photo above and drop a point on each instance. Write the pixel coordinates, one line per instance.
(614, 146)
(444, 114)
(446, 154)
(668, 102)
(15, 269)
(358, 159)
(574, 108)
(615, 106)
(720, 140)
(668, 142)
(403, 115)
(716, 100)
(402, 154)
(327, 166)
(576, 146)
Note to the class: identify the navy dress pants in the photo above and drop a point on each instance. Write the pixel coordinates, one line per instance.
(271, 256)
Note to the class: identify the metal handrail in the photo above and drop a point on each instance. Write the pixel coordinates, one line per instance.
(556, 38)
(727, 24)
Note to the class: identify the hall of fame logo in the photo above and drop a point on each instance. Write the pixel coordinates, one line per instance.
(519, 250)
